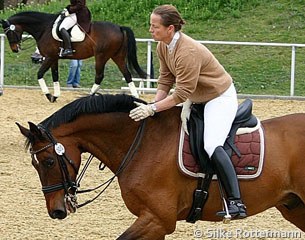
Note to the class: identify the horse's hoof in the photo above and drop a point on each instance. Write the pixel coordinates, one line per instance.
(49, 97)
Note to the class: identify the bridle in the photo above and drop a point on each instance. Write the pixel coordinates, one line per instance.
(62, 159)
(70, 187)
(12, 28)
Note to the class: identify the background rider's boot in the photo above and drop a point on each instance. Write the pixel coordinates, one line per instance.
(67, 43)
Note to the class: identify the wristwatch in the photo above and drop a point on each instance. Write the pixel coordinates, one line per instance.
(153, 107)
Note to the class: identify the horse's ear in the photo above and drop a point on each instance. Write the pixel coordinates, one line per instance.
(5, 23)
(31, 133)
(35, 130)
(24, 131)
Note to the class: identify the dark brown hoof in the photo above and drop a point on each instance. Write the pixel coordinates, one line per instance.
(51, 98)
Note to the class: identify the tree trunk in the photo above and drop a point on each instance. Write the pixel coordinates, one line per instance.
(1, 4)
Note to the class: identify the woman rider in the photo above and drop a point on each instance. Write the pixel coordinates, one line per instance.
(75, 12)
(199, 78)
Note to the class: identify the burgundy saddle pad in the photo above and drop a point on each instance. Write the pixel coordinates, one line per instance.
(249, 165)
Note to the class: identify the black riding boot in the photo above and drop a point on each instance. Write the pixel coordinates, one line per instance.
(228, 178)
(67, 43)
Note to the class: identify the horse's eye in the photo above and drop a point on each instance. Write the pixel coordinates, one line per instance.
(49, 162)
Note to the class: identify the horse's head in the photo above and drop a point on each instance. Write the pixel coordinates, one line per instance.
(13, 33)
(57, 172)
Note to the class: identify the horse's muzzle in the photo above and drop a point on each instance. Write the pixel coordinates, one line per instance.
(58, 214)
(15, 47)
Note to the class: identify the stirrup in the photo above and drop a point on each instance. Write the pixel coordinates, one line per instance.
(236, 209)
(65, 52)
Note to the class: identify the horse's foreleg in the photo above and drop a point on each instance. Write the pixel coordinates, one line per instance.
(42, 70)
(145, 227)
(56, 85)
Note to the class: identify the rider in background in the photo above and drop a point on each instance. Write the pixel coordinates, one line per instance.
(199, 78)
(76, 12)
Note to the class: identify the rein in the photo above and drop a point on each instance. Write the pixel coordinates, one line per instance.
(67, 184)
(91, 39)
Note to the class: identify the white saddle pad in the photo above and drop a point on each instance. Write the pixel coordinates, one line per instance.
(77, 35)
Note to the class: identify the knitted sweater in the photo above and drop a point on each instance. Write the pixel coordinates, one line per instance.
(193, 69)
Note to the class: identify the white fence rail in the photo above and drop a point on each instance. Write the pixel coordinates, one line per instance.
(1, 61)
(149, 42)
(293, 47)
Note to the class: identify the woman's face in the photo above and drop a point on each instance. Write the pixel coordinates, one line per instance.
(158, 31)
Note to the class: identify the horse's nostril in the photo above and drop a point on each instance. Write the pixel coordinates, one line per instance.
(58, 214)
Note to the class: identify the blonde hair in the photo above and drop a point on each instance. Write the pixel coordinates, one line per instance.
(170, 16)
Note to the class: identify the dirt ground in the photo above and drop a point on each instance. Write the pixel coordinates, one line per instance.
(23, 213)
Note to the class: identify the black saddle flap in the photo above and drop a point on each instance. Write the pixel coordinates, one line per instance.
(196, 129)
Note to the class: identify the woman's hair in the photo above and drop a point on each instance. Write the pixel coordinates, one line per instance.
(170, 16)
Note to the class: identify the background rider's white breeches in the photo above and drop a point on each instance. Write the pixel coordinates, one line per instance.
(68, 22)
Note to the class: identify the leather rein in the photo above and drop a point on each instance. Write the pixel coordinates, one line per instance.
(71, 186)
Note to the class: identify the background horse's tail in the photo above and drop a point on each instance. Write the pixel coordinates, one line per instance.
(132, 60)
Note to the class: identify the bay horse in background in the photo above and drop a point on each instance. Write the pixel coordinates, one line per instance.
(143, 155)
(104, 41)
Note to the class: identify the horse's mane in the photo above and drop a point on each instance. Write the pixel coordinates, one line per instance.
(33, 17)
(91, 105)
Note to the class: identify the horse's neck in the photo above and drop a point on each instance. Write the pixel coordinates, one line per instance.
(106, 137)
(34, 31)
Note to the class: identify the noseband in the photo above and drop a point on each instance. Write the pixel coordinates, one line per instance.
(62, 159)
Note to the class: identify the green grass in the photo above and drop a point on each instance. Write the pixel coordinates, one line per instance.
(256, 70)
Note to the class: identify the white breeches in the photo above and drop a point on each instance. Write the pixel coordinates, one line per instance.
(68, 22)
(219, 114)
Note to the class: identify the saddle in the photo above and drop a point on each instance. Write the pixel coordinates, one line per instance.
(243, 119)
(77, 35)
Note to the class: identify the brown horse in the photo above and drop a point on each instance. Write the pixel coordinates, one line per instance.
(104, 41)
(143, 156)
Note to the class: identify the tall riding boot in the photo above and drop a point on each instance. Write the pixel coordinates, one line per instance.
(67, 43)
(228, 178)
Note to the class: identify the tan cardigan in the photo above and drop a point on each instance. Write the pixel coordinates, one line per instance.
(193, 68)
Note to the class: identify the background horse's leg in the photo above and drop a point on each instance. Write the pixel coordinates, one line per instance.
(100, 62)
(56, 85)
(42, 70)
(120, 62)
